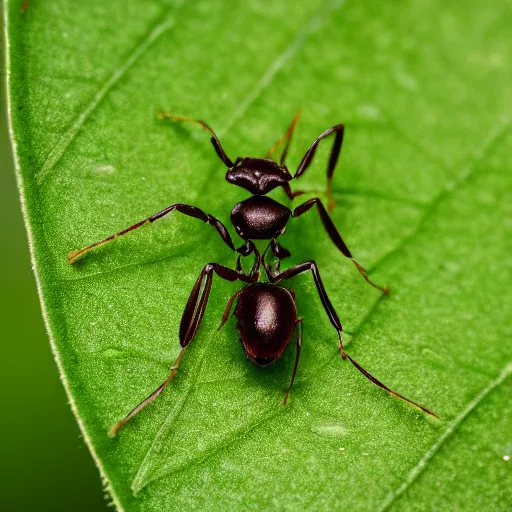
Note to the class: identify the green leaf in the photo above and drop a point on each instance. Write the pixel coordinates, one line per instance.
(423, 201)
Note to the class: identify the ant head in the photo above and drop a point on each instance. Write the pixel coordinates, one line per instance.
(258, 175)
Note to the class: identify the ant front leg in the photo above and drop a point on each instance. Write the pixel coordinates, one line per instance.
(335, 236)
(339, 130)
(287, 138)
(190, 211)
(190, 321)
(333, 317)
(214, 140)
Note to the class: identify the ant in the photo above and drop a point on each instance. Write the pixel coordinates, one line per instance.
(266, 312)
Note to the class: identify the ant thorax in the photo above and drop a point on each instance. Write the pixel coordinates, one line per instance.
(258, 175)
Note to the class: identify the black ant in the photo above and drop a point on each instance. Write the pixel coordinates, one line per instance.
(266, 312)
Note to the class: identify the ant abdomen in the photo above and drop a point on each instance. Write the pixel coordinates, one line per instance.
(266, 315)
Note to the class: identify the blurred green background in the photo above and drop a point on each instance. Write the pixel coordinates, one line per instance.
(45, 464)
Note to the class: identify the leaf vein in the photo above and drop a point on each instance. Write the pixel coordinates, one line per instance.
(309, 28)
(203, 455)
(449, 189)
(289, 53)
(412, 141)
(450, 430)
(60, 148)
(141, 478)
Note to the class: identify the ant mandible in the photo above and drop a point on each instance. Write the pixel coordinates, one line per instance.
(266, 312)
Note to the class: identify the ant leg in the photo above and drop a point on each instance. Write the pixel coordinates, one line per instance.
(288, 190)
(256, 265)
(335, 236)
(196, 304)
(287, 137)
(190, 321)
(245, 250)
(280, 253)
(228, 308)
(297, 357)
(333, 317)
(304, 267)
(278, 250)
(333, 158)
(214, 140)
(377, 382)
(174, 370)
(191, 211)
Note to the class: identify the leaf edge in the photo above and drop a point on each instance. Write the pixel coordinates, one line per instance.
(106, 483)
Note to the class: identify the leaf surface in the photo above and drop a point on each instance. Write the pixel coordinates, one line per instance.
(423, 201)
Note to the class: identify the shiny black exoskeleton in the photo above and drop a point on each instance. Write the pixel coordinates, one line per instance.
(260, 218)
(266, 312)
(266, 316)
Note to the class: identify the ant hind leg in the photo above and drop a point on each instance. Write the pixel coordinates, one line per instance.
(190, 321)
(333, 317)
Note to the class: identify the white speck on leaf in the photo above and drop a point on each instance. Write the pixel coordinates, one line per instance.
(369, 111)
(329, 429)
(107, 168)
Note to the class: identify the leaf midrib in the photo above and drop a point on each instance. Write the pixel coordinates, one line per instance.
(452, 427)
